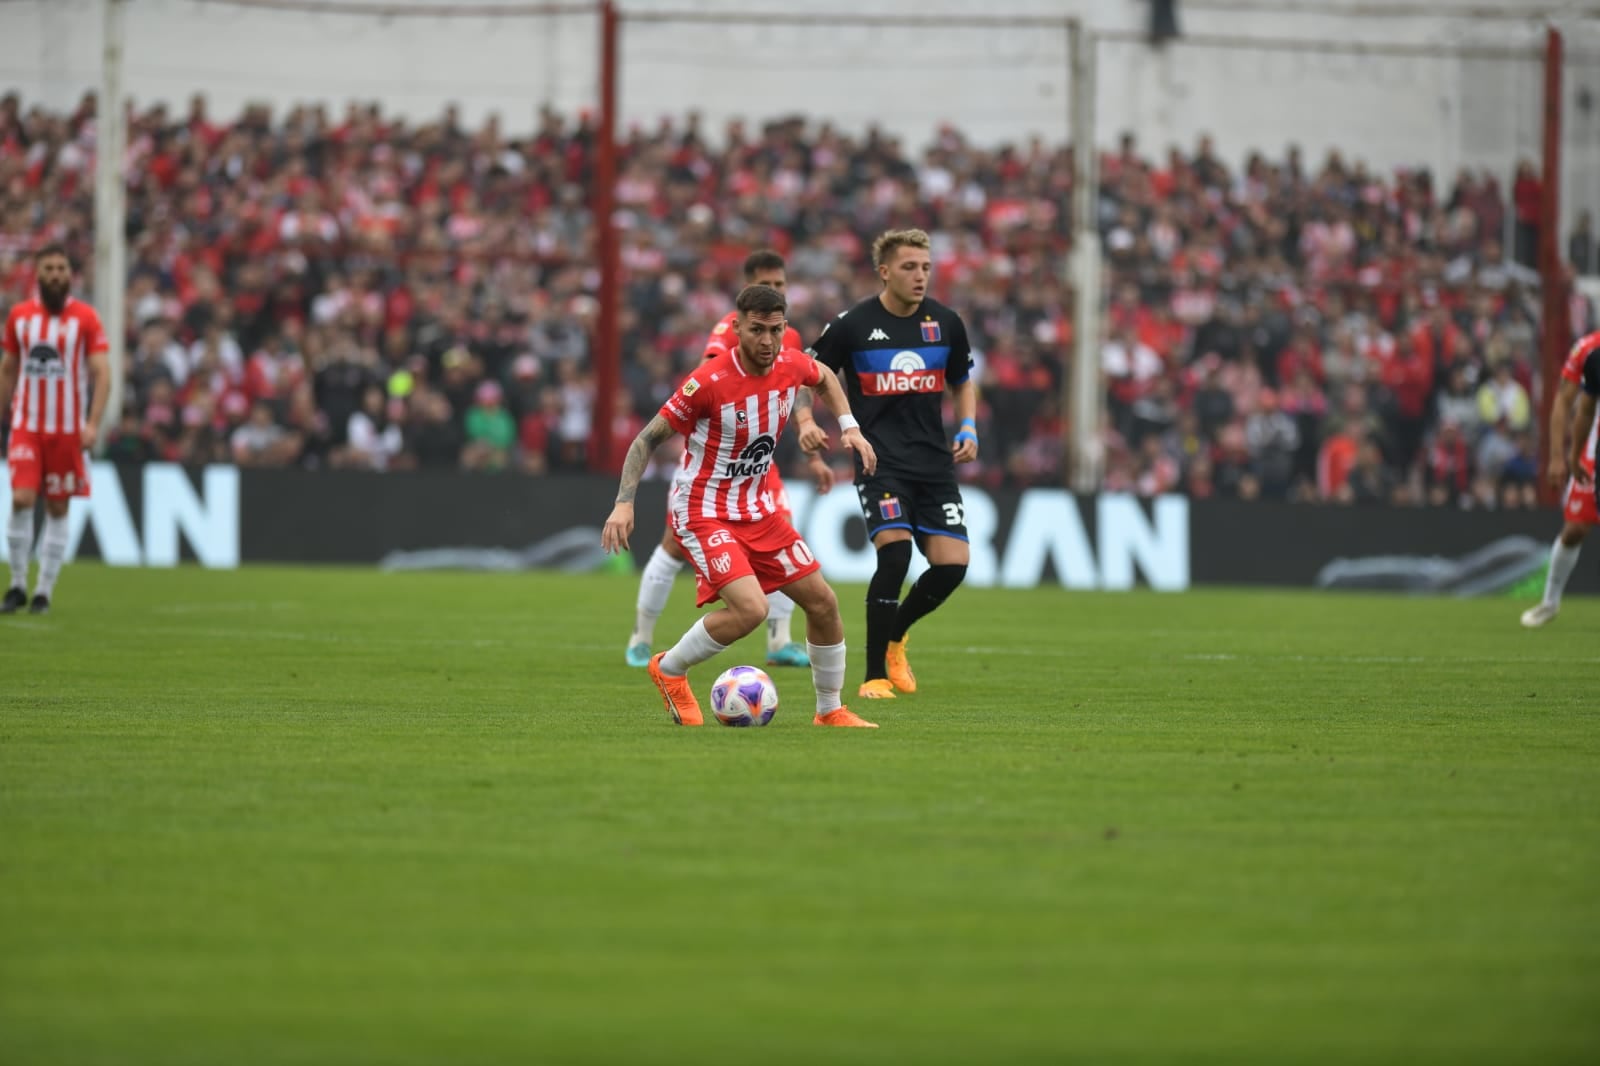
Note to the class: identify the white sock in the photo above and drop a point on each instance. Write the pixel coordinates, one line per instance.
(696, 646)
(827, 674)
(780, 609)
(1562, 562)
(52, 552)
(19, 538)
(655, 585)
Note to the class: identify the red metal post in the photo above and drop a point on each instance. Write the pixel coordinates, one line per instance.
(607, 343)
(1554, 319)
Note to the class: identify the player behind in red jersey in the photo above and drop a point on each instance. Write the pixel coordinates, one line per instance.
(49, 342)
(732, 411)
(1578, 505)
(764, 267)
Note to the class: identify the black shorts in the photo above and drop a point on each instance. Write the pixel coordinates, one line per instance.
(925, 508)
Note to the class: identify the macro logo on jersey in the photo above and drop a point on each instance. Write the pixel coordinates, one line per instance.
(886, 372)
(44, 361)
(753, 459)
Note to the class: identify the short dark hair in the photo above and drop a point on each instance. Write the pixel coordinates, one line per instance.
(761, 300)
(760, 260)
(53, 249)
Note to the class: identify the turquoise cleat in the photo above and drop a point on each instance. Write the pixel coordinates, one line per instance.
(791, 654)
(638, 655)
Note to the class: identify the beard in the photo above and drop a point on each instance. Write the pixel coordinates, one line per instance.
(54, 297)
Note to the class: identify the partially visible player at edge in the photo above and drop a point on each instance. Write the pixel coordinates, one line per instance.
(48, 341)
(732, 411)
(764, 267)
(1579, 503)
(896, 353)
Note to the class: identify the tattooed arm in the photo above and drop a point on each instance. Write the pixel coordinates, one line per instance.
(812, 437)
(614, 537)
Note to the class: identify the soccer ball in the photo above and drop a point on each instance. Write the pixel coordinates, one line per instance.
(744, 696)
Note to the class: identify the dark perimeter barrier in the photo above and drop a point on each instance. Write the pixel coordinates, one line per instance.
(224, 516)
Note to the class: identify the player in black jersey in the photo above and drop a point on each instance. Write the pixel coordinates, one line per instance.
(896, 353)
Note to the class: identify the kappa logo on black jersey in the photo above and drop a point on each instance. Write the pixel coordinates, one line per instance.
(754, 459)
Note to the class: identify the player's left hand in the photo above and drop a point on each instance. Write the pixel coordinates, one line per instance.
(965, 447)
(89, 434)
(1580, 473)
(821, 473)
(852, 438)
(614, 537)
(813, 438)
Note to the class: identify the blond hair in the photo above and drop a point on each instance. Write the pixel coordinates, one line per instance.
(888, 242)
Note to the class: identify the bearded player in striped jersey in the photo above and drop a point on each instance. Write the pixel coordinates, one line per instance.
(1575, 467)
(52, 345)
(764, 267)
(732, 411)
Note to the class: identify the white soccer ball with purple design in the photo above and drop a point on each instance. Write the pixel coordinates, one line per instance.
(744, 696)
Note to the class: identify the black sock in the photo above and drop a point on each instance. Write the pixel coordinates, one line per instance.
(932, 588)
(880, 619)
(883, 603)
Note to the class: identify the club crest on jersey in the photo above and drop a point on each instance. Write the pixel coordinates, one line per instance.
(889, 507)
(753, 460)
(930, 332)
(721, 564)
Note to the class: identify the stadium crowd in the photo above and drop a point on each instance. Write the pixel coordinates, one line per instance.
(358, 291)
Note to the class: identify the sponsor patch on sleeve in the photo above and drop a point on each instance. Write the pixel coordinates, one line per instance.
(691, 387)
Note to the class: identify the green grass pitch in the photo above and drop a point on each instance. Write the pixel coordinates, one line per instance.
(330, 816)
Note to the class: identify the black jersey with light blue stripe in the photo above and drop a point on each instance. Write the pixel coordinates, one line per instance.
(895, 371)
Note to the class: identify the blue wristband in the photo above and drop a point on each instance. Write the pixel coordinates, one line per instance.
(968, 431)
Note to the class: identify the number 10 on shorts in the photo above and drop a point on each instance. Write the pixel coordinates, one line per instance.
(794, 558)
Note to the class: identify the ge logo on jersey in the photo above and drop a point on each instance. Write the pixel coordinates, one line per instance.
(719, 538)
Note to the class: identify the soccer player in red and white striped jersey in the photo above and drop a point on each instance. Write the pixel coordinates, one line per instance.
(732, 411)
(762, 267)
(53, 346)
(1578, 505)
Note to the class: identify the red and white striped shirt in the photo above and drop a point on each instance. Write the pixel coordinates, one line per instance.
(1572, 370)
(52, 388)
(732, 421)
(725, 337)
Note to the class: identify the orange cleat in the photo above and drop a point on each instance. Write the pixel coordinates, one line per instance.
(843, 716)
(676, 694)
(879, 688)
(900, 674)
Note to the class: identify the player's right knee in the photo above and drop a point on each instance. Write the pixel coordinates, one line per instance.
(894, 562)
